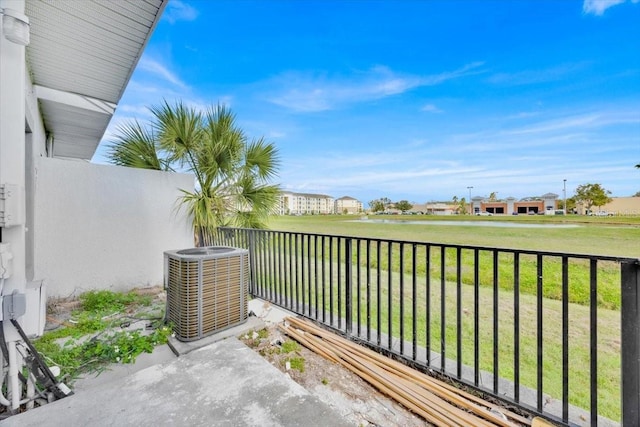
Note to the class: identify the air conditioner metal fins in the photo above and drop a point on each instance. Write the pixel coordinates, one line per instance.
(207, 290)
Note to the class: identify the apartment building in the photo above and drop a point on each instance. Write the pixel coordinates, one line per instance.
(348, 205)
(305, 203)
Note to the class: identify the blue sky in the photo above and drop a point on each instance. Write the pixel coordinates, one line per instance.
(414, 100)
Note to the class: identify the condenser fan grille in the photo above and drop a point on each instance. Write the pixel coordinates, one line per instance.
(207, 290)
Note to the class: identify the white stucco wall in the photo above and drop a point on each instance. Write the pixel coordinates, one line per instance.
(105, 227)
(12, 164)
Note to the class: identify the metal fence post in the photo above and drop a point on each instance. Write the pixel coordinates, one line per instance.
(252, 261)
(348, 269)
(630, 278)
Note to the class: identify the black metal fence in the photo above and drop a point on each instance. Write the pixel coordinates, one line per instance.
(556, 334)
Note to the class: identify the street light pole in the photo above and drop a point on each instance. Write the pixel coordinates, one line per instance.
(470, 205)
(564, 190)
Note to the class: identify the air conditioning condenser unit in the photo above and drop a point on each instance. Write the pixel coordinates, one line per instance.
(207, 290)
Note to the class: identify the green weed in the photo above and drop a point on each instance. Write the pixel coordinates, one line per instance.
(289, 346)
(109, 302)
(297, 363)
(82, 353)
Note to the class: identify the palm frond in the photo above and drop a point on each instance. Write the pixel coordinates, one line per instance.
(179, 130)
(262, 157)
(222, 145)
(135, 146)
(201, 209)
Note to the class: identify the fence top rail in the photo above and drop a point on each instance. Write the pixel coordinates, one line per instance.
(621, 260)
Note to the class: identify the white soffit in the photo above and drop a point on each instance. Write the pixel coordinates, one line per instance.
(81, 57)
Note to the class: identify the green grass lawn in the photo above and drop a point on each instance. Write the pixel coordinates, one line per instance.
(608, 337)
(612, 236)
(595, 236)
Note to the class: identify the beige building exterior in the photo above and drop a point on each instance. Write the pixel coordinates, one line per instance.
(439, 209)
(623, 206)
(433, 208)
(348, 205)
(305, 203)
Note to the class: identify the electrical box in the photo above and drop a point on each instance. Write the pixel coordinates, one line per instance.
(36, 315)
(6, 263)
(14, 305)
(10, 205)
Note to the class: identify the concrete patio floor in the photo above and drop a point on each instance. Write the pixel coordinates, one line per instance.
(215, 381)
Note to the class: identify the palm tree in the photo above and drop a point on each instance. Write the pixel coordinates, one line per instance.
(232, 174)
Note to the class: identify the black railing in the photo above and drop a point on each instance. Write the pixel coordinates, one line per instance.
(555, 334)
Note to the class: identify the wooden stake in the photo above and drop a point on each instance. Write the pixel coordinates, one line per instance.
(435, 400)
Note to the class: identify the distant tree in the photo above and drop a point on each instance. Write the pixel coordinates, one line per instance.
(592, 195)
(462, 207)
(493, 196)
(386, 202)
(571, 204)
(638, 166)
(403, 205)
(637, 194)
(376, 205)
(454, 199)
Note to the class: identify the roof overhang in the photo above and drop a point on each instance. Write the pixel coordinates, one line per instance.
(81, 57)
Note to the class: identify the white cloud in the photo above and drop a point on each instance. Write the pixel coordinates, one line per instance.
(431, 108)
(308, 93)
(179, 11)
(138, 87)
(580, 122)
(536, 76)
(526, 157)
(143, 93)
(160, 70)
(202, 106)
(274, 134)
(136, 110)
(523, 115)
(560, 132)
(381, 159)
(467, 70)
(563, 124)
(598, 7)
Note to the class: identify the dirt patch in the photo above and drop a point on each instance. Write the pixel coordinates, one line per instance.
(352, 397)
(60, 310)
